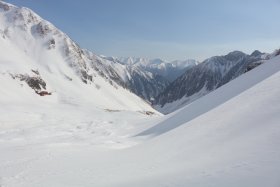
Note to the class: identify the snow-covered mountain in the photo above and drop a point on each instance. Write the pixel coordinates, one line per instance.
(143, 83)
(39, 59)
(88, 130)
(205, 77)
(170, 70)
(45, 50)
(229, 137)
(147, 78)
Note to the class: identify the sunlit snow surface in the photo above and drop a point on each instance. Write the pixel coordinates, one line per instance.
(81, 136)
(28, 43)
(236, 143)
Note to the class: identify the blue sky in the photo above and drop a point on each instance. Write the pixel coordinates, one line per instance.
(169, 29)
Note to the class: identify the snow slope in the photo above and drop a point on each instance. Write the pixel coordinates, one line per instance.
(235, 142)
(32, 48)
(89, 135)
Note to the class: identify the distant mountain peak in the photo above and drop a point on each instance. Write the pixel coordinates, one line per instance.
(235, 55)
(256, 53)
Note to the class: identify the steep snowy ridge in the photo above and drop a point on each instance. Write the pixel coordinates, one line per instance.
(206, 77)
(30, 44)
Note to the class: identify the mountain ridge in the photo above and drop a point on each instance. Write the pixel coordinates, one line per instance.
(158, 82)
(31, 44)
(206, 77)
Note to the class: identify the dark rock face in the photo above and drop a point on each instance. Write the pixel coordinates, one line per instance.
(256, 53)
(253, 65)
(146, 86)
(34, 81)
(277, 52)
(209, 75)
(149, 77)
(43, 29)
(136, 79)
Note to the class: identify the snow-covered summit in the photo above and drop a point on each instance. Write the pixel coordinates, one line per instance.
(29, 44)
(168, 69)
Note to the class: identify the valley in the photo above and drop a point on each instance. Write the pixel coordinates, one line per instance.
(70, 117)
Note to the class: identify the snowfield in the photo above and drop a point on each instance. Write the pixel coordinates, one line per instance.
(92, 132)
(233, 143)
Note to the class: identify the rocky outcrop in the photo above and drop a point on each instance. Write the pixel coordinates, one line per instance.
(34, 81)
